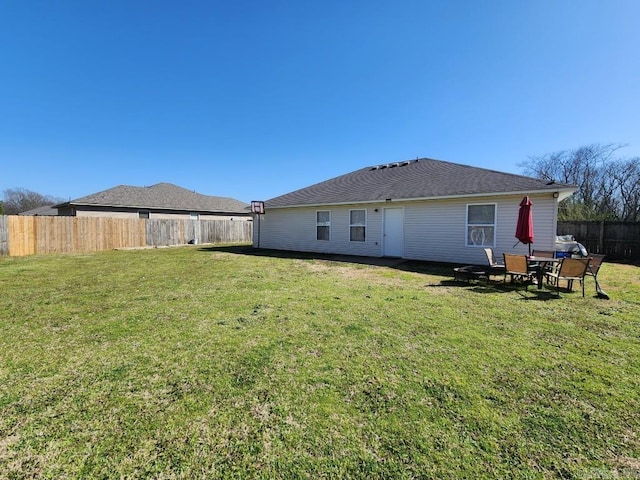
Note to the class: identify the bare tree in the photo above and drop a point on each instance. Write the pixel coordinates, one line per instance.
(627, 175)
(606, 185)
(16, 200)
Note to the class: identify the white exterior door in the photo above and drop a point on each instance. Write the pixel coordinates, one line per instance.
(393, 236)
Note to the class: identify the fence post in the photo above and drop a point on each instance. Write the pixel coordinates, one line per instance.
(601, 237)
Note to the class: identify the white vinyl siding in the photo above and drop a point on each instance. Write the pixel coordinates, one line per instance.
(296, 229)
(434, 230)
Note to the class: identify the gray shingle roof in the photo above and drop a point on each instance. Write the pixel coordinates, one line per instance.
(414, 179)
(46, 210)
(164, 196)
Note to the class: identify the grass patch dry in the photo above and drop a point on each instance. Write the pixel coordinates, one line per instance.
(215, 362)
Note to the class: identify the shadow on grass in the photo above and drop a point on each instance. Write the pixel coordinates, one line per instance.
(430, 268)
(438, 269)
(490, 286)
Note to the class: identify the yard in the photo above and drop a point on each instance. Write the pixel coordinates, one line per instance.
(217, 362)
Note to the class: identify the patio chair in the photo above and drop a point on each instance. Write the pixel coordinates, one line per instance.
(570, 269)
(495, 268)
(595, 262)
(518, 268)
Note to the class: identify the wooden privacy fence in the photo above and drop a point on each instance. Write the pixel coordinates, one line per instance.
(178, 232)
(616, 240)
(29, 235)
(4, 244)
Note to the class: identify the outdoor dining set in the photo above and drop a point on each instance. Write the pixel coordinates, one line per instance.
(538, 265)
(537, 268)
(543, 266)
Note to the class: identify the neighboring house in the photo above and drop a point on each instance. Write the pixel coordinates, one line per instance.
(47, 210)
(421, 209)
(163, 200)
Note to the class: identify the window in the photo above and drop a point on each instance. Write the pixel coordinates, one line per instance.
(194, 216)
(143, 213)
(357, 225)
(323, 224)
(481, 225)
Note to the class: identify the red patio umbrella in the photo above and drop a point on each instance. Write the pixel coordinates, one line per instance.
(524, 230)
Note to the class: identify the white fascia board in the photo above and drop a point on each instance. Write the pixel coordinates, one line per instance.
(563, 193)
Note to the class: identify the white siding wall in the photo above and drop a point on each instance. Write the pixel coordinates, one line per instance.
(295, 229)
(434, 230)
(91, 213)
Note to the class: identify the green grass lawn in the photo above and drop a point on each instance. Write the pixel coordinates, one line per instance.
(215, 362)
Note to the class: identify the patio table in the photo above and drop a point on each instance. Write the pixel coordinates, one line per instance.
(539, 264)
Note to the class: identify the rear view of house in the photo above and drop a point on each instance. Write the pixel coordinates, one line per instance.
(420, 209)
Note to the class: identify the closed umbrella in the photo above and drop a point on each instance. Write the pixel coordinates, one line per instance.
(524, 230)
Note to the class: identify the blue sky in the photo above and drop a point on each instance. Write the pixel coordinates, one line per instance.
(253, 99)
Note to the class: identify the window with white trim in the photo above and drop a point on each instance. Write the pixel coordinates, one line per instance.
(194, 216)
(481, 225)
(357, 225)
(323, 224)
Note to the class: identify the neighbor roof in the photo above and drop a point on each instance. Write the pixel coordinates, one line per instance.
(46, 210)
(165, 196)
(423, 178)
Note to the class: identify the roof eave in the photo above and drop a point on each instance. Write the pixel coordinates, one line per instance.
(563, 193)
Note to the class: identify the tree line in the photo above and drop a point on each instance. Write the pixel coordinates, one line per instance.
(608, 185)
(17, 200)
